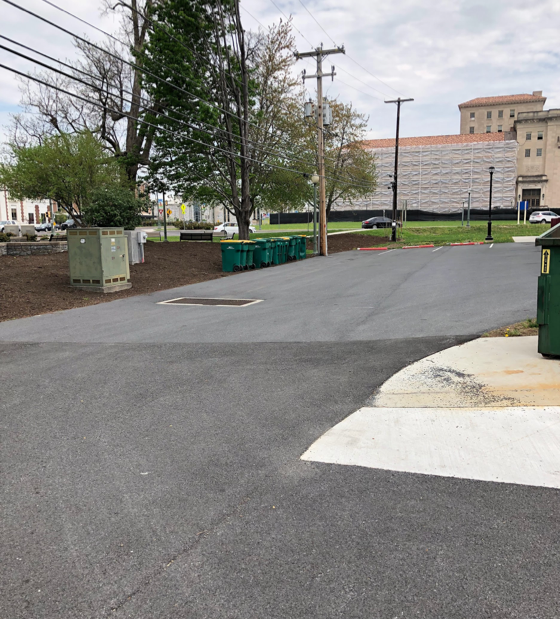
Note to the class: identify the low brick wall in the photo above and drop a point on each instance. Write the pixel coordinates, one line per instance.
(32, 249)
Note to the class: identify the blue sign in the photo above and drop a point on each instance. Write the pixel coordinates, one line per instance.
(524, 206)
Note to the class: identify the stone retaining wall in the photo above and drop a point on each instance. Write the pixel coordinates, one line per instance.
(32, 249)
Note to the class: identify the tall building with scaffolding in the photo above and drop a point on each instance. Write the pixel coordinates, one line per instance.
(436, 172)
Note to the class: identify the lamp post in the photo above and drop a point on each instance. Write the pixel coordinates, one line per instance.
(489, 237)
(315, 180)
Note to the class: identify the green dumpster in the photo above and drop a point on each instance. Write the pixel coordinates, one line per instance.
(263, 253)
(232, 251)
(250, 261)
(292, 249)
(548, 299)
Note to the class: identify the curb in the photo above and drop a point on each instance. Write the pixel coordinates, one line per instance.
(472, 243)
(372, 248)
(416, 246)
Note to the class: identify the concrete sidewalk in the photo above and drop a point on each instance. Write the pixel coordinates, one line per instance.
(487, 410)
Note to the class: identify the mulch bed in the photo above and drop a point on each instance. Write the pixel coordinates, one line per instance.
(32, 285)
(352, 240)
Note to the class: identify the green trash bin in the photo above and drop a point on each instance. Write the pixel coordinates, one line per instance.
(292, 249)
(250, 260)
(263, 254)
(275, 249)
(548, 298)
(302, 246)
(232, 251)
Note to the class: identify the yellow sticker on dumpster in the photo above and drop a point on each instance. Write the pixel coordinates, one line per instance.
(545, 269)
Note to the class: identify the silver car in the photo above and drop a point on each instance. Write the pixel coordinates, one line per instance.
(7, 222)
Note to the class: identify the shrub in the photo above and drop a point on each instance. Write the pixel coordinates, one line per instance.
(150, 222)
(193, 225)
(31, 237)
(4, 238)
(114, 206)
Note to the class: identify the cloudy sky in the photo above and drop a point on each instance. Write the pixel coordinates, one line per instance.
(440, 52)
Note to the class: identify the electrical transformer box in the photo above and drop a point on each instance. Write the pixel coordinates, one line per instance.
(98, 259)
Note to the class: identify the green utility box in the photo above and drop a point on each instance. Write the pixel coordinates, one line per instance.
(548, 300)
(263, 254)
(98, 259)
(232, 252)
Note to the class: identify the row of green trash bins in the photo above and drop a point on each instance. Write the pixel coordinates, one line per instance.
(262, 253)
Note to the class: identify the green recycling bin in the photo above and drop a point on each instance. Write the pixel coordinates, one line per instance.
(275, 248)
(250, 260)
(263, 253)
(292, 249)
(232, 252)
(548, 298)
(302, 247)
(282, 249)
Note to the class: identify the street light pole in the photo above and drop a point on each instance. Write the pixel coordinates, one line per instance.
(489, 237)
(394, 183)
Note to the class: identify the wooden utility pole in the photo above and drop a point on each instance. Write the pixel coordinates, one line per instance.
(320, 54)
(394, 183)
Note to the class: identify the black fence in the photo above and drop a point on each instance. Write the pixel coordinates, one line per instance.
(411, 215)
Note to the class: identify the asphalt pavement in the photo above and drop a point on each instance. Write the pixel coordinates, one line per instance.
(151, 453)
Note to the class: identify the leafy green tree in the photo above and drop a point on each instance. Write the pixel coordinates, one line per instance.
(65, 168)
(114, 206)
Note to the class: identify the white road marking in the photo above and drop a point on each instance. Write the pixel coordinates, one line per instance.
(436, 249)
(387, 252)
(518, 445)
(491, 245)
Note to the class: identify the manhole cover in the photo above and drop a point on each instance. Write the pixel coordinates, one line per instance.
(216, 302)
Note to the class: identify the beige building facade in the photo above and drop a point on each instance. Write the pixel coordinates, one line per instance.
(497, 114)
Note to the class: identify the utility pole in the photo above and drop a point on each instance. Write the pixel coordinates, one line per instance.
(320, 54)
(394, 183)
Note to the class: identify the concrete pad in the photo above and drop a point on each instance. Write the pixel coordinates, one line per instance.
(518, 445)
(483, 373)
(524, 239)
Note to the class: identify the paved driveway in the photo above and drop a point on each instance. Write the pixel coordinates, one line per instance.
(151, 460)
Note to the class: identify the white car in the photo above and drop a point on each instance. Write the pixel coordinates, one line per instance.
(542, 217)
(7, 222)
(231, 229)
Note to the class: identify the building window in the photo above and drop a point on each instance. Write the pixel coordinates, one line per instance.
(472, 115)
(471, 129)
(488, 129)
(539, 152)
(528, 135)
(14, 214)
(499, 128)
(512, 113)
(533, 196)
(489, 114)
(31, 218)
(540, 135)
(527, 152)
(500, 113)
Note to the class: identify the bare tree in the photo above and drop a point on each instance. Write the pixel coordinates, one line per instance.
(108, 80)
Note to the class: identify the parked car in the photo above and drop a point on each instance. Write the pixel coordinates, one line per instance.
(378, 222)
(542, 217)
(231, 229)
(7, 222)
(44, 227)
(69, 223)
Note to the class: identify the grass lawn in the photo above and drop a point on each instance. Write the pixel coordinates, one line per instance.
(420, 233)
(351, 225)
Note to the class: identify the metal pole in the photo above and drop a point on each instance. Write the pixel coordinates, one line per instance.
(469, 210)
(525, 205)
(314, 218)
(489, 236)
(164, 218)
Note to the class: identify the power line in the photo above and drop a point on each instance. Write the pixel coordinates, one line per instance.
(313, 17)
(142, 121)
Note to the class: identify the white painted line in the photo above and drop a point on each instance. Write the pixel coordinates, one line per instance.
(437, 249)
(510, 445)
(173, 302)
(387, 252)
(491, 245)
